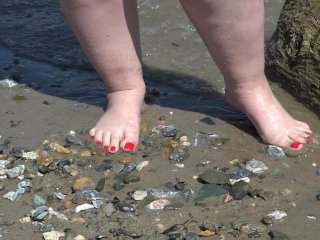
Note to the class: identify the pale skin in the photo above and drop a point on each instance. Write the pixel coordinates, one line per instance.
(233, 32)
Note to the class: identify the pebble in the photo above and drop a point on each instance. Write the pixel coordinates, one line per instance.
(277, 235)
(131, 178)
(180, 153)
(67, 204)
(173, 206)
(73, 138)
(100, 185)
(209, 190)
(15, 172)
(277, 215)
(141, 165)
(82, 183)
(45, 161)
(109, 209)
(239, 190)
(30, 155)
(158, 204)
(214, 176)
(139, 195)
(79, 237)
(39, 213)
(274, 151)
(10, 196)
(83, 207)
(207, 233)
(53, 235)
(58, 148)
(256, 166)
(38, 201)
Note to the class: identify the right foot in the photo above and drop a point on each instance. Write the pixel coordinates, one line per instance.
(119, 126)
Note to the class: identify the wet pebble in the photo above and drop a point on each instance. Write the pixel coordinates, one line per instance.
(277, 235)
(274, 151)
(38, 201)
(131, 178)
(214, 176)
(73, 138)
(82, 183)
(39, 213)
(254, 234)
(239, 190)
(256, 166)
(124, 207)
(53, 235)
(109, 209)
(100, 185)
(158, 204)
(15, 171)
(139, 195)
(83, 207)
(180, 153)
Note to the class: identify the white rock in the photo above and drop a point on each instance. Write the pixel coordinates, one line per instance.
(79, 237)
(53, 235)
(83, 207)
(30, 155)
(277, 215)
(233, 181)
(139, 195)
(256, 166)
(158, 204)
(141, 165)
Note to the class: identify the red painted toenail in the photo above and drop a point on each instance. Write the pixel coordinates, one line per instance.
(106, 148)
(129, 146)
(295, 144)
(112, 148)
(309, 141)
(98, 142)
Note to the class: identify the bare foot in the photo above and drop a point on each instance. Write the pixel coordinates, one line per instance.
(119, 126)
(273, 123)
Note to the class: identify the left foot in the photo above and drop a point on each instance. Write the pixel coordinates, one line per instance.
(273, 123)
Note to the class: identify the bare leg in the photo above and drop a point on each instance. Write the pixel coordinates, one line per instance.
(233, 31)
(108, 32)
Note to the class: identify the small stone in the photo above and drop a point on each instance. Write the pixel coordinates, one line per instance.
(15, 172)
(255, 166)
(274, 151)
(214, 176)
(228, 198)
(180, 153)
(79, 237)
(53, 235)
(131, 178)
(277, 215)
(268, 220)
(38, 201)
(141, 165)
(109, 209)
(277, 235)
(85, 153)
(124, 207)
(30, 155)
(158, 204)
(10, 196)
(73, 138)
(58, 148)
(183, 139)
(139, 195)
(207, 233)
(67, 204)
(39, 213)
(100, 184)
(209, 190)
(19, 97)
(239, 190)
(105, 165)
(173, 206)
(45, 160)
(126, 159)
(82, 183)
(83, 207)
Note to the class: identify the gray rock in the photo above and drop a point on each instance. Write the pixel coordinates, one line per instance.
(10, 196)
(277, 235)
(38, 201)
(15, 172)
(109, 209)
(73, 138)
(180, 153)
(255, 166)
(214, 176)
(274, 151)
(239, 190)
(39, 213)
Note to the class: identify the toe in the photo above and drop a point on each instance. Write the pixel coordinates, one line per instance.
(296, 145)
(304, 126)
(114, 143)
(92, 132)
(98, 137)
(106, 141)
(298, 138)
(130, 141)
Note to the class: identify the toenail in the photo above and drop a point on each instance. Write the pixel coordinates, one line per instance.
(98, 142)
(129, 146)
(112, 148)
(106, 148)
(309, 141)
(295, 144)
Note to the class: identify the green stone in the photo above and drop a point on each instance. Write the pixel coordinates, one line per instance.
(209, 190)
(214, 176)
